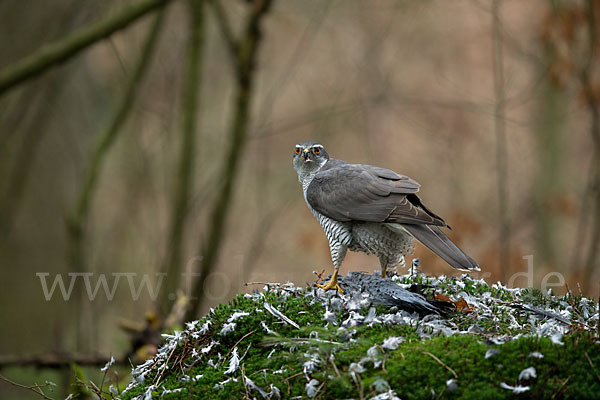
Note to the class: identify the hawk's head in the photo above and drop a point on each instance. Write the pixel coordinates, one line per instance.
(309, 157)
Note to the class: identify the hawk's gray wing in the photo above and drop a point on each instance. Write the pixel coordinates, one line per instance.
(437, 241)
(357, 192)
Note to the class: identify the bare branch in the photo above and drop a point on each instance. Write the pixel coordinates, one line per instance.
(226, 30)
(238, 136)
(77, 221)
(56, 361)
(501, 144)
(593, 104)
(191, 85)
(55, 53)
(37, 389)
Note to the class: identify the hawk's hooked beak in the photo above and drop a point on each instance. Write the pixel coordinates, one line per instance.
(306, 154)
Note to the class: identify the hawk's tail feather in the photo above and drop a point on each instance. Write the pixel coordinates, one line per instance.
(437, 241)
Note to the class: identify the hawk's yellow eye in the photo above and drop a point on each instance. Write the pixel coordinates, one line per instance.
(297, 150)
(317, 150)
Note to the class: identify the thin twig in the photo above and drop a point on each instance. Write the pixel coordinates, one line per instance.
(237, 343)
(592, 365)
(57, 52)
(226, 30)
(562, 385)
(441, 363)
(361, 388)
(293, 376)
(319, 389)
(262, 283)
(162, 371)
(335, 368)
(244, 382)
(35, 388)
(56, 361)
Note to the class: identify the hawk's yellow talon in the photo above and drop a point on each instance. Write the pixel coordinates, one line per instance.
(332, 284)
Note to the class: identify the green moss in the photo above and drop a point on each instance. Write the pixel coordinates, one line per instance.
(419, 368)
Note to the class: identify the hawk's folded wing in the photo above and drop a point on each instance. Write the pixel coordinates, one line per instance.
(357, 192)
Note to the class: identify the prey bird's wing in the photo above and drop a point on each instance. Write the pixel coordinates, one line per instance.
(357, 192)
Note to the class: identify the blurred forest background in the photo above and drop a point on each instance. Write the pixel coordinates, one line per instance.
(162, 143)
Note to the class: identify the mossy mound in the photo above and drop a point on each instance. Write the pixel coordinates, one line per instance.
(290, 342)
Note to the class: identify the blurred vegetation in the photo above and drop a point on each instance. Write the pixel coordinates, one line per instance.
(154, 137)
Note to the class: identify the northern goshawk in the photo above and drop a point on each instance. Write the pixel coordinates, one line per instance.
(370, 209)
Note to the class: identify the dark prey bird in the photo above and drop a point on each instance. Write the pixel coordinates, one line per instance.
(370, 209)
(386, 291)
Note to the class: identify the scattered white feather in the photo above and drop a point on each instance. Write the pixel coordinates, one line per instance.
(148, 393)
(206, 349)
(390, 395)
(234, 362)
(557, 338)
(175, 338)
(392, 342)
(535, 354)
(373, 351)
(170, 391)
(222, 384)
(279, 315)
(195, 354)
(330, 317)
(227, 328)
(311, 388)
(527, 373)
(311, 364)
(373, 356)
(190, 326)
(237, 315)
(263, 324)
(371, 318)
(515, 389)
(355, 369)
(452, 385)
(499, 340)
(108, 364)
(204, 328)
(491, 352)
(253, 386)
(275, 393)
(354, 319)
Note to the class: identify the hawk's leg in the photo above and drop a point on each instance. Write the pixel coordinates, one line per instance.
(332, 284)
(383, 261)
(338, 252)
(390, 267)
